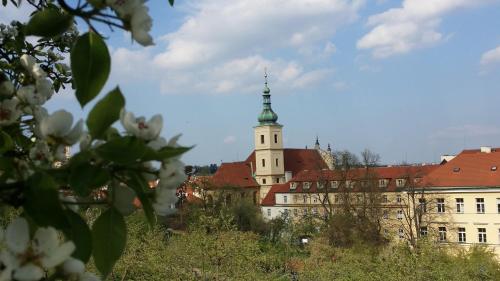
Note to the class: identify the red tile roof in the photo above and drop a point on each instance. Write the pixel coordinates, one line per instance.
(297, 159)
(470, 168)
(235, 174)
(312, 176)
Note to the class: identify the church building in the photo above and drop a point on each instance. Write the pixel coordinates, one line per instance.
(269, 163)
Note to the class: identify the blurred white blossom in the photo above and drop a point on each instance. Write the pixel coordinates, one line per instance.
(58, 125)
(9, 113)
(136, 14)
(138, 127)
(6, 88)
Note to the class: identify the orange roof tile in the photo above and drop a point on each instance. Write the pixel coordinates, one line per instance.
(470, 168)
(297, 159)
(235, 174)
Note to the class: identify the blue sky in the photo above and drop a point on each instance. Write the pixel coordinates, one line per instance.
(410, 80)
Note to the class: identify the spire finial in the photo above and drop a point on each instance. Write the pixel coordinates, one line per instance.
(265, 75)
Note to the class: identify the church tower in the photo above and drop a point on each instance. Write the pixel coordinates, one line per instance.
(268, 136)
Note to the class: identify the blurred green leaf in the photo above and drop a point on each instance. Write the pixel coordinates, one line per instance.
(79, 233)
(48, 22)
(105, 113)
(124, 150)
(141, 187)
(171, 2)
(90, 65)
(109, 236)
(86, 177)
(42, 202)
(6, 142)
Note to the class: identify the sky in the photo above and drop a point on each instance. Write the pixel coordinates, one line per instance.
(410, 80)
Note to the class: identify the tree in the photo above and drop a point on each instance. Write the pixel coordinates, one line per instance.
(36, 177)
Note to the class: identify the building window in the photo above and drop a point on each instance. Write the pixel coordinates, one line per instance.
(261, 139)
(315, 211)
(263, 162)
(276, 162)
(293, 185)
(401, 233)
(334, 184)
(440, 205)
(295, 212)
(423, 231)
(285, 199)
(460, 205)
(384, 199)
(275, 138)
(422, 204)
(277, 180)
(498, 205)
(398, 198)
(385, 214)
(400, 182)
(320, 185)
(315, 200)
(285, 212)
(305, 212)
(268, 212)
(304, 197)
(307, 185)
(480, 205)
(337, 199)
(399, 215)
(481, 235)
(442, 234)
(461, 235)
(382, 183)
(263, 181)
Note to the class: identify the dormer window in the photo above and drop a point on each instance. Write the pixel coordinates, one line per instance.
(400, 182)
(493, 168)
(306, 185)
(293, 185)
(383, 183)
(334, 184)
(320, 185)
(456, 169)
(350, 184)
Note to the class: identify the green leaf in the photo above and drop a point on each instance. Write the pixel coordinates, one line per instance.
(90, 65)
(140, 186)
(79, 233)
(171, 2)
(48, 22)
(109, 235)
(6, 142)
(42, 202)
(86, 177)
(124, 150)
(164, 153)
(105, 113)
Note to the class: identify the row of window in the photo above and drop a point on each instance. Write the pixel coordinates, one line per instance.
(287, 212)
(349, 183)
(276, 180)
(462, 235)
(262, 139)
(276, 162)
(459, 205)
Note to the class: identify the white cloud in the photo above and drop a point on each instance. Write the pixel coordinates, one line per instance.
(414, 25)
(491, 57)
(229, 139)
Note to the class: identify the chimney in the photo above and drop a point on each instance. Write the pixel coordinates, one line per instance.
(447, 158)
(486, 149)
(288, 176)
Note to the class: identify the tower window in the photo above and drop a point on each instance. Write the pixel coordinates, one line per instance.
(261, 139)
(263, 181)
(263, 162)
(275, 138)
(276, 162)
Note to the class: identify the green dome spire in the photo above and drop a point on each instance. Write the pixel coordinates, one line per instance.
(267, 116)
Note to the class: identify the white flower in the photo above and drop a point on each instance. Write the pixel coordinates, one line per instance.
(29, 63)
(124, 197)
(58, 125)
(40, 153)
(44, 87)
(38, 94)
(76, 269)
(138, 127)
(9, 113)
(172, 174)
(68, 201)
(60, 153)
(165, 201)
(136, 13)
(158, 143)
(6, 88)
(85, 141)
(24, 260)
(141, 24)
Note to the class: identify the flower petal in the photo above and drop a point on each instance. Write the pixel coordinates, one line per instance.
(155, 125)
(87, 276)
(28, 272)
(58, 255)
(74, 135)
(45, 241)
(17, 236)
(73, 266)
